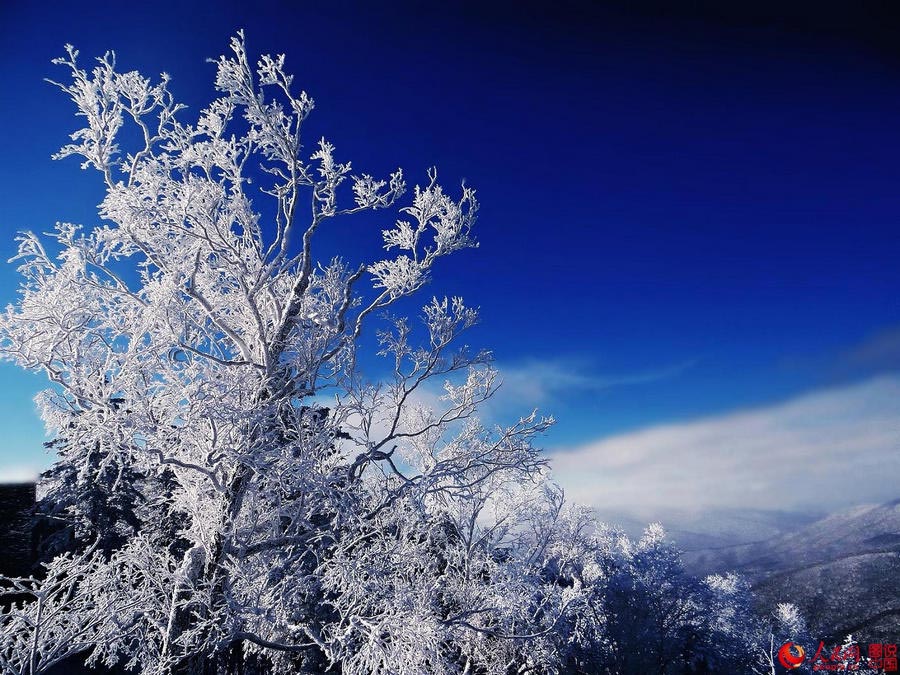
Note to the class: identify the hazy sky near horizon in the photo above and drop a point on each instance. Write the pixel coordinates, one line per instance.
(689, 216)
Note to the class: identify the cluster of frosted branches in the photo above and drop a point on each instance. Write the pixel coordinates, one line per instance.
(219, 450)
(230, 487)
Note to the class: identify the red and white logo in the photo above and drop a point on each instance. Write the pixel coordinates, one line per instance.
(791, 655)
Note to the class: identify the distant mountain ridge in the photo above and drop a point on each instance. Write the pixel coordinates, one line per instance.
(842, 570)
(713, 529)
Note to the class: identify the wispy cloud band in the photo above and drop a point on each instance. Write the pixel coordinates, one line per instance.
(822, 450)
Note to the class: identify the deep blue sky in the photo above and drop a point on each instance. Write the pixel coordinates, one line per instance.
(684, 212)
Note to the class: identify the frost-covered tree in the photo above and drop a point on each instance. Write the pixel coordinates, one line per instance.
(656, 618)
(233, 487)
(232, 493)
(784, 624)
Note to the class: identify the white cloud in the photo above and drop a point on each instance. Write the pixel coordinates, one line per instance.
(827, 449)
